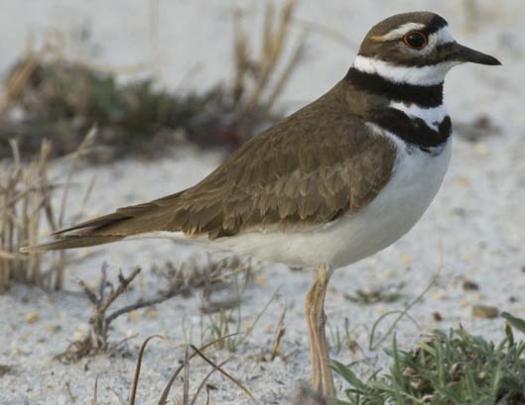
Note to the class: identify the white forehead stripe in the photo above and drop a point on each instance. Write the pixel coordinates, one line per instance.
(399, 31)
(443, 35)
(432, 116)
(440, 37)
(420, 76)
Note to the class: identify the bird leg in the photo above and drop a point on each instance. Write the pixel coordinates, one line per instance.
(322, 380)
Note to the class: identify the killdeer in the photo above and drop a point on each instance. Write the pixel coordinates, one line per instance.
(338, 180)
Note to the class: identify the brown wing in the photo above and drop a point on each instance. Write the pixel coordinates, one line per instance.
(314, 166)
(309, 174)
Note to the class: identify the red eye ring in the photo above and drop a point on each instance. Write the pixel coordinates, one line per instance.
(415, 39)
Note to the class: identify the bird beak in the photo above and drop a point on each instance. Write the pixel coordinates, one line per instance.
(462, 53)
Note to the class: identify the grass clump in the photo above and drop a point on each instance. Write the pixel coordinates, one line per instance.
(447, 368)
(27, 210)
(60, 100)
(49, 96)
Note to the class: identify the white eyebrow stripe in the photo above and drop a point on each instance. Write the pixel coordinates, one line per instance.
(399, 31)
(441, 36)
(428, 75)
(432, 116)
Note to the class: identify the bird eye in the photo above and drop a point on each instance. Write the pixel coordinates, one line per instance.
(415, 39)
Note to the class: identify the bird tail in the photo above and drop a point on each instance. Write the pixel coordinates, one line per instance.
(123, 223)
(109, 228)
(69, 242)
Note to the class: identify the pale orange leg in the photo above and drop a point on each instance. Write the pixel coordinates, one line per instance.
(322, 379)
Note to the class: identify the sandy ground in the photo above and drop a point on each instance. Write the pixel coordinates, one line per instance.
(474, 230)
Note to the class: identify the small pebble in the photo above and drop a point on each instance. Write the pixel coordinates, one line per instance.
(5, 368)
(134, 316)
(32, 317)
(54, 328)
(437, 316)
(485, 311)
(463, 182)
(465, 302)
(481, 149)
(80, 333)
(406, 259)
(440, 294)
(470, 285)
(151, 313)
(390, 273)
(261, 280)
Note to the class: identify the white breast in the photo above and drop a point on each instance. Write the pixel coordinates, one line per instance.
(415, 181)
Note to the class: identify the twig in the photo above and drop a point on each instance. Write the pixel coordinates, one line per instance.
(280, 329)
(124, 282)
(206, 378)
(250, 328)
(223, 372)
(186, 382)
(165, 393)
(95, 391)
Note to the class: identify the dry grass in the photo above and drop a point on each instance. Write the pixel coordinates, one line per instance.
(27, 211)
(259, 79)
(183, 280)
(189, 394)
(25, 200)
(279, 332)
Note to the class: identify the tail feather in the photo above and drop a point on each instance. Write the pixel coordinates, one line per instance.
(70, 242)
(94, 224)
(125, 222)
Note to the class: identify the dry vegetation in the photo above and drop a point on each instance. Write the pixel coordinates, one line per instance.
(50, 96)
(230, 274)
(27, 212)
(259, 80)
(189, 394)
(183, 280)
(25, 201)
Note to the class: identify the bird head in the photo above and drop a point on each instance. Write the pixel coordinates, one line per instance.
(415, 48)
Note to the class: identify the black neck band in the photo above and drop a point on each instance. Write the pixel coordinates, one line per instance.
(412, 130)
(423, 96)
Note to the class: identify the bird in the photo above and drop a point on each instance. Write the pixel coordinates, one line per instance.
(337, 181)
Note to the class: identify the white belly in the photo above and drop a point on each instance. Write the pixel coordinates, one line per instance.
(416, 179)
